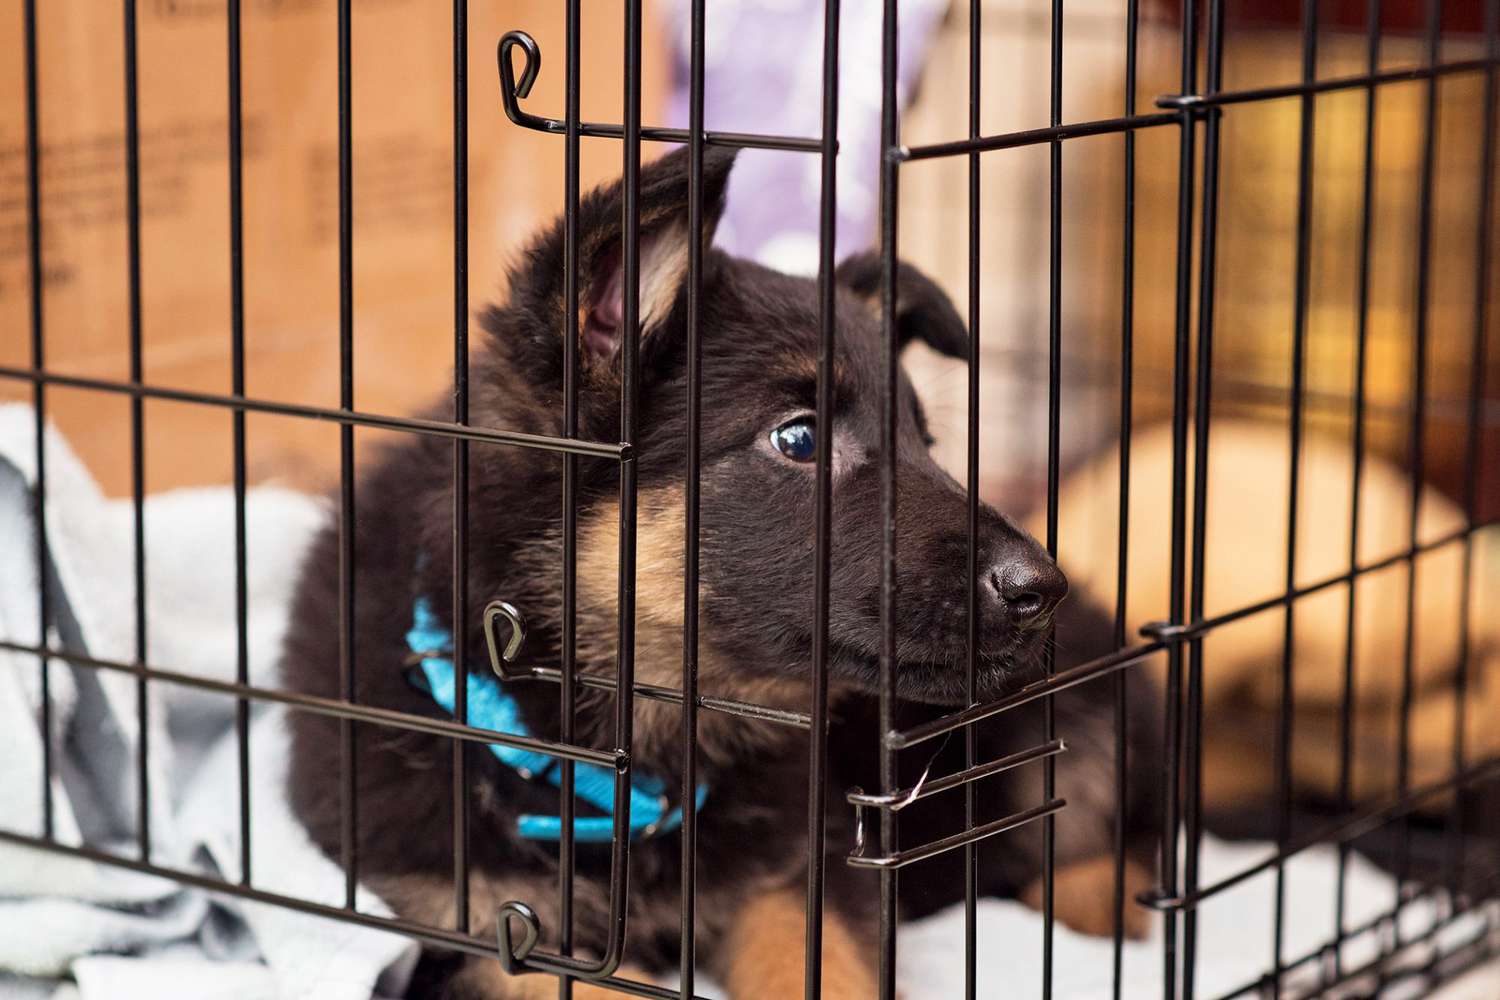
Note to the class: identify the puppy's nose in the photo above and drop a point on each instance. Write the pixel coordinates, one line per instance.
(1028, 587)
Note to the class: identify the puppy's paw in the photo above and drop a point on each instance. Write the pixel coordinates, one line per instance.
(1083, 897)
(482, 979)
(766, 946)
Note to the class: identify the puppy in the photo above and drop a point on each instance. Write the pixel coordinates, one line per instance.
(759, 351)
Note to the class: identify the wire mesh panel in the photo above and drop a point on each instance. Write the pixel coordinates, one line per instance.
(886, 844)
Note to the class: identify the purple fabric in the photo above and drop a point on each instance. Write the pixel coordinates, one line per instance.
(763, 71)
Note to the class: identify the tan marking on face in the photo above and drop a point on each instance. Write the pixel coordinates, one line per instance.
(766, 944)
(660, 528)
(659, 620)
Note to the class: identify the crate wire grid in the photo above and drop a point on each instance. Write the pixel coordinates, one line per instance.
(1196, 113)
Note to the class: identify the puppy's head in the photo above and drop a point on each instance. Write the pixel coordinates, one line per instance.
(760, 348)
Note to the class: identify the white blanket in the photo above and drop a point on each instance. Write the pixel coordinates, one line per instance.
(72, 928)
(118, 934)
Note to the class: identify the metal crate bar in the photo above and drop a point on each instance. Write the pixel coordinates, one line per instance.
(341, 416)
(513, 91)
(38, 400)
(687, 926)
(971, 495)
(1298, 374)
(1202, 423)
(567, 701)
(817, 765)
(137, 425)
(1372, 79)
(896, 801)
(1417, 447)
(237, 419)
(348, 735)
(890, 138)
(1483, 238)
(900, 859)
(1356, 491)
(335, 707)
(460, 583)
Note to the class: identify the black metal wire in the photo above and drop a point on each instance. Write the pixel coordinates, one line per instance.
(38, 401)
(1295, 423)
(1036, 136)
(890, 137)
(1357, 445)
(566, 856)
(1173, 721)
(630, 330)
(1054, 472)
(460, 830)
(347, 735)
(687, 955)
(898, 800)
(237, 387)
(137, 425)
(971, 663)
(1478, 359)
(1120, 689)
(1431, 71)
(1417, 446)
(345, 417)
(336, 708)
(817, 766)
(1202, 422)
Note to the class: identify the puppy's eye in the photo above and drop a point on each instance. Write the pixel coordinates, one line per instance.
(796, 439)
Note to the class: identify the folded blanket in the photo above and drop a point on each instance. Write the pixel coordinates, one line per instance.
(119, 934)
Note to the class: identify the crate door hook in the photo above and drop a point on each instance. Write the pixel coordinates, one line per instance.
(499, 658)
(513, 90)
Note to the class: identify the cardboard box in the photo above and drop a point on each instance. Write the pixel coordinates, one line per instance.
(403, 258)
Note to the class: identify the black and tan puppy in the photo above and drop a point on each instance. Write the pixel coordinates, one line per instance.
(760, 339)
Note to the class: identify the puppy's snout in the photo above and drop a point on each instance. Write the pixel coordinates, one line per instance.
(1026, 586)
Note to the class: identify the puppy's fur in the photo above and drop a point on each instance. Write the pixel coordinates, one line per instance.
(759, 350)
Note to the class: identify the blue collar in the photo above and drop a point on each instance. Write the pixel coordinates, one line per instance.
(490, 707)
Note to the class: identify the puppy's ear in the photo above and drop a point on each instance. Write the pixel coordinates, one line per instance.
(923, 310)
(538, 283)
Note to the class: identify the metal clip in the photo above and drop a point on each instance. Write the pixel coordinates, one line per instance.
(1179, 102)
(499, 658)
(1165, 632)
(512, 90)
(511, 953)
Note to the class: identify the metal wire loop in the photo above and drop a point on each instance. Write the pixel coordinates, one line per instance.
(513, 90)
(513, 953)
(500, 657)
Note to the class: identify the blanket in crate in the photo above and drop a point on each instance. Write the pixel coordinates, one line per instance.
(71, 927)
(68, 924)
